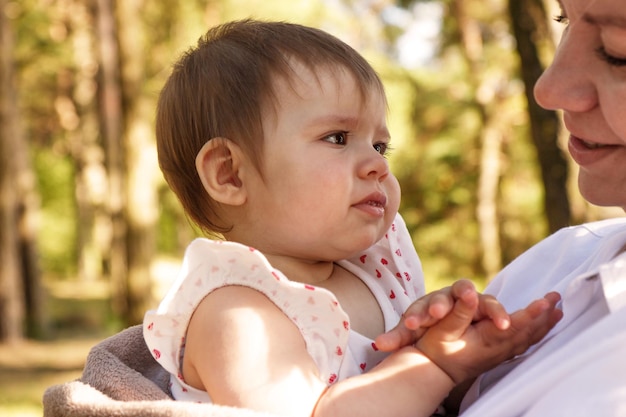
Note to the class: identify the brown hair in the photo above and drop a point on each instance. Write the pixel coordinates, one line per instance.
(219, 88)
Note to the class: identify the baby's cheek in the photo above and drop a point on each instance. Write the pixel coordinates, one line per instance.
(392, 188)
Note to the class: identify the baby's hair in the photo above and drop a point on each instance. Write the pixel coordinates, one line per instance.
(220, 89)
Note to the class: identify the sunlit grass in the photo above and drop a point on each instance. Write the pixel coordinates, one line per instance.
(28, 368)
(20, 410)
(79, 318)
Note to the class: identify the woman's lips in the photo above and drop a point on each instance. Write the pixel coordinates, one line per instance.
(587, 153)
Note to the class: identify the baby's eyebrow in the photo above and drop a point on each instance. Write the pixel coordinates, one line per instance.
(337, 119)
(347, 122)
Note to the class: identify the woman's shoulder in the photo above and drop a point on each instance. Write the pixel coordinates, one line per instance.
(553, 262)
(601, 228)
(583, 236)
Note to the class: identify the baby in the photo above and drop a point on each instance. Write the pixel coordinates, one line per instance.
(274, 135)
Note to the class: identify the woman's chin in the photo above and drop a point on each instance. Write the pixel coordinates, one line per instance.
(603, 196)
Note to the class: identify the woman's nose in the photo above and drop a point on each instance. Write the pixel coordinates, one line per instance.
(568, 83)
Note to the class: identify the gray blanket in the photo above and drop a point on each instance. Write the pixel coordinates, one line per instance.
(122, 379)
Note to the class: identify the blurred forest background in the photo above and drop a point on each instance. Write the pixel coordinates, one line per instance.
(85, 215)
(90, 235)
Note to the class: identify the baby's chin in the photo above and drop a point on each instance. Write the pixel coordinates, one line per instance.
(366, 244)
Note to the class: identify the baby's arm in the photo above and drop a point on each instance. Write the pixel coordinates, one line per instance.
(460, 347)
(245, 352)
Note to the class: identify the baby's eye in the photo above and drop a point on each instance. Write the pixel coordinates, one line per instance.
(337, 138)
(561, 18)
(382, 148)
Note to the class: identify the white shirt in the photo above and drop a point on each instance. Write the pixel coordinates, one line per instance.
(579, 369)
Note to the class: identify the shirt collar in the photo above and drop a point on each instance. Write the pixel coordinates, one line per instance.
(613, 276)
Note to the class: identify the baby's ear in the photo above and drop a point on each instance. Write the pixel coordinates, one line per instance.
(218, 164)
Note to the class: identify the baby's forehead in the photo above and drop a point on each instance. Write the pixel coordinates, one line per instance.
(301, 75)
(292, 93)
(299, 78)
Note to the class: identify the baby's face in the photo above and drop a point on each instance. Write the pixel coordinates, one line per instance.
(326, 192)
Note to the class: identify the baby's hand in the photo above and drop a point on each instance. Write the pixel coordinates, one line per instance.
(464, 348)
(431, 308)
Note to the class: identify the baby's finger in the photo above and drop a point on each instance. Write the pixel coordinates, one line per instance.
(541, 316)
(440, 304)
(531, 324)
(397, 338)
(489, 307)
(454, 325)
(429, 309)
(553, 298)
(461, 287)
(538, 307)
(442, 301)
(417, 315)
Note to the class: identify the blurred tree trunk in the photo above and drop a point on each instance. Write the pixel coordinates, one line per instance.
(11, 302)
(111, 125)
(529, 23)
(490, 140)
(142, 208)
(21, 293)
(77, 108)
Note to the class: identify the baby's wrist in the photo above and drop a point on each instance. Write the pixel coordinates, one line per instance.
(449, 376)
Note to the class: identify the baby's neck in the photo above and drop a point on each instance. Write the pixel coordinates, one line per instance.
(297, 268)
(303, 270)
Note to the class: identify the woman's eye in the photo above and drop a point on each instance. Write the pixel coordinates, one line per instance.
(338, 138)
(561, 18)
(610, 59)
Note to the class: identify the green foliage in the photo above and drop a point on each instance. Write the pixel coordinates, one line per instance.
(436, 118)
(174, 229)
(438, 160)
(57, 236)
(436, 167)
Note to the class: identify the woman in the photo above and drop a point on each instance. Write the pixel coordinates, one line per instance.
(579, 368)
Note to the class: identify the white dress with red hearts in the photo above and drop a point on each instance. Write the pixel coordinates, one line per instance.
(391, 269)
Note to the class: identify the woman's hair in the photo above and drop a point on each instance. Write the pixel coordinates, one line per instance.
(221, 88)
